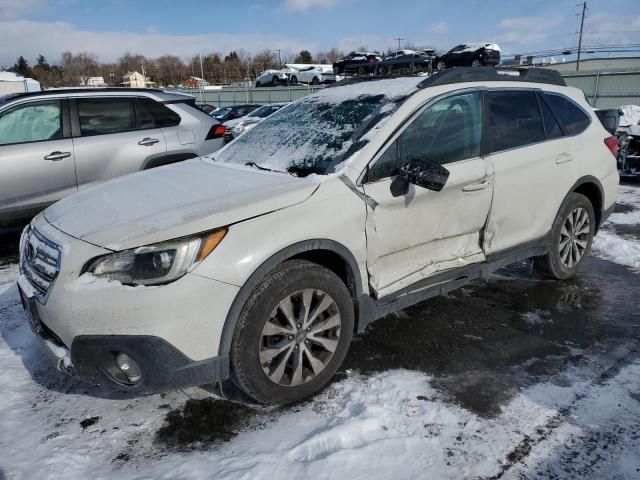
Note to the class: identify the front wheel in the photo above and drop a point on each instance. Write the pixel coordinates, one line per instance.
(441, 65)
(315, 81)
(571, 238)
(476, 63)
(294, 80)
(292, 334)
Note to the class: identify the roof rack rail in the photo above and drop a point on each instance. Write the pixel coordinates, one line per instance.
(62, 91)
(492, 74)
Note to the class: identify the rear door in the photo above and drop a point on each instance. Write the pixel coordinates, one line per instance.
(533, 164)
(36, 158)
(411, 237)
(113, 136)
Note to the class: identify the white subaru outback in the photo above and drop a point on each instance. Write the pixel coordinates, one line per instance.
(258, 263)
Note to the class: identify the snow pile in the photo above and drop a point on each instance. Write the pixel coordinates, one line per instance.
(611, 246)
(630, 115)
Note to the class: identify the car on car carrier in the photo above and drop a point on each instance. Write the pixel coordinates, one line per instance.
(260, 262)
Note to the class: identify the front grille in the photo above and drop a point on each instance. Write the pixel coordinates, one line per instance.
(39, 261)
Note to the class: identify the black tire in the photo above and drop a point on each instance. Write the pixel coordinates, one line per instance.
(287, 279)
(362, 70)
(441, 65)
(382, 70)
(552, 264)
(293, 80)
(315, 81)
(257, 84)
(275, 81)
(476, 62)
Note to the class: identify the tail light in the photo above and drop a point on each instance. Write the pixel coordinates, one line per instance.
(612, 145)
(217, 131)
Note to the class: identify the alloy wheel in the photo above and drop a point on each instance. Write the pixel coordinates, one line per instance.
(574, 237)
(300, 337)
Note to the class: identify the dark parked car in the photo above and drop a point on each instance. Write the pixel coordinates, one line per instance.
(357, 62)
(404, 60)
(206, 108)
(470, 55)
(225, 114)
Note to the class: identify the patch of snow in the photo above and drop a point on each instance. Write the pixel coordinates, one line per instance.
(610, 246)
(88, 281)
(535, 317)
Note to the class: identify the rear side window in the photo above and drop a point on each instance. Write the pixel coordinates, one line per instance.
(101, 116)
(514, 120)
(572, 118)
(162, 115)
(551, 126)
(32, 122)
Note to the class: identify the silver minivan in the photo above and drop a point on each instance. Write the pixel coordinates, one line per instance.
(56, 142)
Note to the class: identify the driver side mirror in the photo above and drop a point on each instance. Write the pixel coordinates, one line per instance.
(422, 172)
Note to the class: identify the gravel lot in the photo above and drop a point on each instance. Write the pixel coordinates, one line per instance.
(515, 377)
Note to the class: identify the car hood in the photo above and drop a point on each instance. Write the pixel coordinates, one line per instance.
(173, 201)
(231, 123)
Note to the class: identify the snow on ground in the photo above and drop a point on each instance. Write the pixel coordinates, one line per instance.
(621, 249)
(582, 421)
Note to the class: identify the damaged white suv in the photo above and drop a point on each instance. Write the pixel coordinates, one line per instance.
(259, 263)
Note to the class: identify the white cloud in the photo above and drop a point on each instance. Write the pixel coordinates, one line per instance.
(440, 27)
(303, 5)
(16, 8)
(30, 38)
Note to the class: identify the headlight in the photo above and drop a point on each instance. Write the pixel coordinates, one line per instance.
(158, 263)
(237, 130)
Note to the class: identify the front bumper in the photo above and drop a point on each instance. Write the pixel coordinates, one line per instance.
(171, 331)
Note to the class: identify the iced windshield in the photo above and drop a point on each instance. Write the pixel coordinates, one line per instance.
(317, 133)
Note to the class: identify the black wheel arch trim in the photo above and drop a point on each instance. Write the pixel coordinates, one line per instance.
(168, 159)
(276, 259)
(590, 179)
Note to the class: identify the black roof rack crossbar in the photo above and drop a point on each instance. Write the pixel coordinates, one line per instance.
(492, 74)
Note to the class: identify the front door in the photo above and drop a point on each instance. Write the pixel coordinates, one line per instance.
(36, 160)
(413, 236)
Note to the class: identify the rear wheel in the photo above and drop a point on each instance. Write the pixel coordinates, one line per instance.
(441, 65)
(315, 81)
(294, 80)
(292, 334)
(275, 81)
(382, 70)
(571, 238)
(476, 63)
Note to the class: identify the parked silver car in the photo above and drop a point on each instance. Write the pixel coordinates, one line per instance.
(56, 142)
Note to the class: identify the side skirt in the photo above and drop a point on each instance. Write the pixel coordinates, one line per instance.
(370, 309)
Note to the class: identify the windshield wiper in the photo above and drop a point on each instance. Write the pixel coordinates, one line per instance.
(254, 164)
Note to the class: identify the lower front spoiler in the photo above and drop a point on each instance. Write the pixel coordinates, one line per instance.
(163, 367)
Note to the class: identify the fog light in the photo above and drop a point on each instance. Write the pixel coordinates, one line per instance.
(129, 368)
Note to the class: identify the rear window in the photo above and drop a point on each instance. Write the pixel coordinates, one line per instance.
(514, 120)
(162, 116)
(573, 119)
(551, 125)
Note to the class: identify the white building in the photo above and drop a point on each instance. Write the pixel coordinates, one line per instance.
(15, 83)
(95, 82)
(136, 80)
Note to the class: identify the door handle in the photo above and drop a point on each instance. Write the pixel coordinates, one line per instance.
(147, 142)
(564, 158)
(473, 187)
(57, 156)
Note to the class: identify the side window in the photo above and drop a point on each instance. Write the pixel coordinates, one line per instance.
(572, 118)
(551, 126)
(162, 116)
(144, 120)
(514, 120)
(100, 116)
(32, 122)
(448, 131)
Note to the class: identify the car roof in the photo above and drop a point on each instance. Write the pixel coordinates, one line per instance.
(156, 94)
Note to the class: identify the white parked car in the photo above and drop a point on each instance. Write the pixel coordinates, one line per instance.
(235, 128)
(259, 263)
(272, 78)
(310, 74)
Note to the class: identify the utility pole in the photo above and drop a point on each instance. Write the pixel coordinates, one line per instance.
(584, 8)
(399, 39)
(279, 57)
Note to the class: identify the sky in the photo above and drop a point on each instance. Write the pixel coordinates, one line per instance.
(109, 28)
